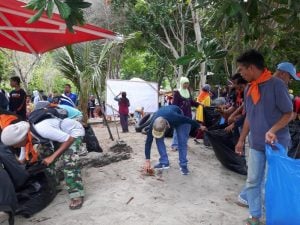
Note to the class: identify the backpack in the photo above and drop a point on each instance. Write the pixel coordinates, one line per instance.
(41, 114)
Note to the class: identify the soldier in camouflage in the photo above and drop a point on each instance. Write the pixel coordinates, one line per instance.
(67, 133)
(71, 170)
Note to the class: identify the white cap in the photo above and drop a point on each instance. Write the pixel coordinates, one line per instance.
(14, 133)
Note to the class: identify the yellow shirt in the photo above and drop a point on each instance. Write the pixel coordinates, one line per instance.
(199, 111)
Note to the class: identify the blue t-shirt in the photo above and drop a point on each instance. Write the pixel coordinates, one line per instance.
(274, 102)
(69, 99)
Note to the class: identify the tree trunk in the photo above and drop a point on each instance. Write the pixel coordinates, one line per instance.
(198, 34)
(85, 86)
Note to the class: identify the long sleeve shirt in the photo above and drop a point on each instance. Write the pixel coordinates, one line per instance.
(185, 104)
(123, 105)
(173, 114)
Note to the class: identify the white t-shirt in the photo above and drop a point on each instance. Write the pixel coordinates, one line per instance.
(59, 130)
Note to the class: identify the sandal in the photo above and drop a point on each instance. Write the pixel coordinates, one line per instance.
(76, 203)
(249, 221)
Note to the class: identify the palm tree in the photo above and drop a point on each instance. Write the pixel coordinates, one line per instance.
(84, 65)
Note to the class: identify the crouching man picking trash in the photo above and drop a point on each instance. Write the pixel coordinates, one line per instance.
(168, 117)
(65, 132)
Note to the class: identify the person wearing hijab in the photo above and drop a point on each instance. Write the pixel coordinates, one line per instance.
(183, 99)
(204, 100)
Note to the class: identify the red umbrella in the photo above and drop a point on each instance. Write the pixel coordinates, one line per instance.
(45, 34)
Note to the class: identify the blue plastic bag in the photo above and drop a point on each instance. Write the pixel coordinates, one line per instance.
(282, 196)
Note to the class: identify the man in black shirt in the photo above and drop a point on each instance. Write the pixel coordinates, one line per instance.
(17, 98)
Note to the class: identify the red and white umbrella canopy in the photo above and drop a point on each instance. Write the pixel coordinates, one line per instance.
(43, 35)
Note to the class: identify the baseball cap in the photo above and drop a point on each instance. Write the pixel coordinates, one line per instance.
(289, 68)
(159, 127)
(206, 87)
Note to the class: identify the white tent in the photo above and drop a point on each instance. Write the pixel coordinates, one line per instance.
(139, 92)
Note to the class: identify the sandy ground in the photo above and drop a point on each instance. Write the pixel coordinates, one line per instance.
(119, 194)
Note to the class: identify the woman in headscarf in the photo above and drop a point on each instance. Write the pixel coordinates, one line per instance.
(204, 100)
(184, 100)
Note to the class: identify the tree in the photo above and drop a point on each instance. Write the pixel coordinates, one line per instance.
(5, 66)
(23, 66)
(163, 25)
(85, 65)
(46, 76)
(262, 25)
(174, 26)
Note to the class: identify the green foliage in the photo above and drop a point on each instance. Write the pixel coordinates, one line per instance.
(84, 65)
(295, 86)
(5, 67)
(70, 10)
(210, 50)
(46, 76)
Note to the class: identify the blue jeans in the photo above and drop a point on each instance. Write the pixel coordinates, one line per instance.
(137, 116)
(174, 144)
(182, 136)
(255, 180)
(243, 193)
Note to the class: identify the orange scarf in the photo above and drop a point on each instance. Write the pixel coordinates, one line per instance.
(202, 96)
(30, 151)
(6, 120)
(254, 90)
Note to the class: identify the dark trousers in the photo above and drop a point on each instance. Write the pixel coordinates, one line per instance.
(91, 112)
(124, 122)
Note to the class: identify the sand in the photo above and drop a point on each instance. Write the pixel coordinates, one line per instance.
(119, 194)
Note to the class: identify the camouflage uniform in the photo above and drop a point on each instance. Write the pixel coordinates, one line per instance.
(71, 170)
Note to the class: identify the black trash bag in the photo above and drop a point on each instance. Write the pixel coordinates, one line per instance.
(144, 122)
(8, 199)
(206, 141)
(36, 194)
(294, 127)
(216, 126)
(211, 116)
(223, 144)
(92, 143)
(193, 132)
(17, 172)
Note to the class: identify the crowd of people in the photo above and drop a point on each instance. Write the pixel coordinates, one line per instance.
(22, 125)
(257, 103)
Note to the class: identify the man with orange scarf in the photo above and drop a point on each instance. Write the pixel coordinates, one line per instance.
(268, 111)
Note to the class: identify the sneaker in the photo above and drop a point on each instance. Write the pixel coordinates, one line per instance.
(184, 170)
(242, 202)
(162, 166)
